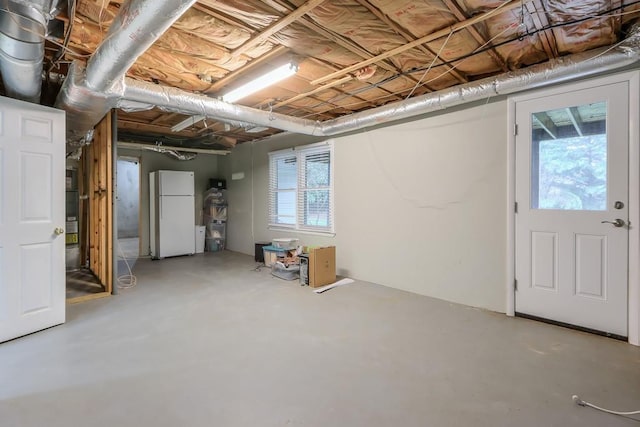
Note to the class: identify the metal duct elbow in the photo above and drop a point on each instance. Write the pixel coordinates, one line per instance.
(22, 34)
(84, 107)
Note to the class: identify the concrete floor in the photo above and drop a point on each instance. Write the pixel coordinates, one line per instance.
(129, 248)
(207, 341)
(81, 282)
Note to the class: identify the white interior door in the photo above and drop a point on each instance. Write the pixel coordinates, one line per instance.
(32, 268)
(572, 208)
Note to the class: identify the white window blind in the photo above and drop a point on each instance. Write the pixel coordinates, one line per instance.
(283, 184)
(301, 188)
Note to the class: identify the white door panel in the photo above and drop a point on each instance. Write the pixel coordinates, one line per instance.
(32, 277)
(571, 169)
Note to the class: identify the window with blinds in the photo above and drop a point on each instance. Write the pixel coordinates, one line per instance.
(301, 188)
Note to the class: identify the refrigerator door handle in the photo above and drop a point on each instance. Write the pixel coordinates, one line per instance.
(160, 206)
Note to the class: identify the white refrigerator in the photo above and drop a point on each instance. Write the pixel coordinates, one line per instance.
(172, 213)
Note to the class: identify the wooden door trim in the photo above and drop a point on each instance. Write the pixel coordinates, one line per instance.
(83, 298)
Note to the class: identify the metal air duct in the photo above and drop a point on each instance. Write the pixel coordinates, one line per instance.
(23, 27)
(180, 101)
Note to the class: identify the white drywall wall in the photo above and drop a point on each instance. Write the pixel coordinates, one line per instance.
(205, 166)
(239, 198)
(419, 206)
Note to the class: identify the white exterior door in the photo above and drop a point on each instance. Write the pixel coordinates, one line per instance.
(572, 199)
(32, 268)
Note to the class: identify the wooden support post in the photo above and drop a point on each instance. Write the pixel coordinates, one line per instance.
(100, 201)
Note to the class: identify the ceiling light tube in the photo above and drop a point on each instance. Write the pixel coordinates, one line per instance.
(257, 84)
(189, 121)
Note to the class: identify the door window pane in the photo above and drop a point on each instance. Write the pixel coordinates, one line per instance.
(569, 158)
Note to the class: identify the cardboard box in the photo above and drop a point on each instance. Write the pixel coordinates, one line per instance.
(322, 266)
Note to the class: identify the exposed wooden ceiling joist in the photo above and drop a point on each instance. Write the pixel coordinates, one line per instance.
(276, 26)
(536, 10)
(459, 13)
(153, 128)
(509, 5)
(408, 37)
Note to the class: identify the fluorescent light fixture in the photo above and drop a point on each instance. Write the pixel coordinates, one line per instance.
(261, 82)
(189, 121)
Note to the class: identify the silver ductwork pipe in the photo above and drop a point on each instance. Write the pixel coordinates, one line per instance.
(134, 107)
(87, 95)
(180, 101)
(84, 107)
(23, 27)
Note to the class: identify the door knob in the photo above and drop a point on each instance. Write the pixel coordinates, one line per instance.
(616, 223)
(58, 231)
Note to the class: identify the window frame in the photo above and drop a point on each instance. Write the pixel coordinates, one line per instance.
(300, 153)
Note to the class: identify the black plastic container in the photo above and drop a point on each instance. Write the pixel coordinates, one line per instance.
(259, 254)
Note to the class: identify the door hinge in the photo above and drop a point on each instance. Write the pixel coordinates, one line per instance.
(515, 207)
(515, 284)
(515, 129)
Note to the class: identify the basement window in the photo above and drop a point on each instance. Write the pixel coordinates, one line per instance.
(301, 188)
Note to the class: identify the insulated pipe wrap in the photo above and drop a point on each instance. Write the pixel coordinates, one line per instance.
(84, 106)
(179, 101)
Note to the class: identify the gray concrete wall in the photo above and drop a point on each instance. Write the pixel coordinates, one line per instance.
(128, 197)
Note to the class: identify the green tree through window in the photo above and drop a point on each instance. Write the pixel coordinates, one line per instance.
(572, 173)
